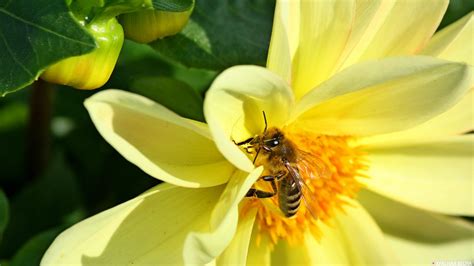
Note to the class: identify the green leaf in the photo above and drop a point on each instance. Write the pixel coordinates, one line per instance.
(139, 60)
(32, 252)
(4, 213)
(172, 5)
(135, 61)
(173, 94)
(33, 35)
(456, 10)
(111, 8)
(45, 203)
(221, 34)
(13, 115)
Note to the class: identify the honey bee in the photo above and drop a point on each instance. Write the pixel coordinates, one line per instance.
(281, 159)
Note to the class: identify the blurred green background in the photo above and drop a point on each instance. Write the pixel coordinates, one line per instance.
(84, 174)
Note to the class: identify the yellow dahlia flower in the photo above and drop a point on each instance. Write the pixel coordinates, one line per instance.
(343, 84)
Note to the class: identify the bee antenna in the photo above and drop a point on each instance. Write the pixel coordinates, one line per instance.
(256, 155)
(265, 120)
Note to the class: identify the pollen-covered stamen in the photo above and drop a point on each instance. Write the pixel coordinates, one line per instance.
(328, 166)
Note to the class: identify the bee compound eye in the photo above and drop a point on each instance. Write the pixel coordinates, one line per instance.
(274, 143)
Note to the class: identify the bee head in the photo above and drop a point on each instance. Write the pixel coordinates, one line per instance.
(273, 138)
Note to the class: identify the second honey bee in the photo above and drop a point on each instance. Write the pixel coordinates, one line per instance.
(280, 158)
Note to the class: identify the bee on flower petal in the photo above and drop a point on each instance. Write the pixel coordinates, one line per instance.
(283, 164)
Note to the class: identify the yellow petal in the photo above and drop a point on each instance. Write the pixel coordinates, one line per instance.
(324, 29)
(384, 96)
(234, 104)
(455, 42)
(406, 29)
(330, 250)
(433, 176)
(363, 238)
(202, 247)
(259, 253)
(408, 222)
(236, 252)
(369, 17)
(285, 254)
(421, 253)
(163, 144)
(280, 51)
(149, 229)
(353, 239)
(456, 121)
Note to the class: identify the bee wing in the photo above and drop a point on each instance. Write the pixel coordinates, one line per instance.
(306, 193)
(311, 166)
(307, 196)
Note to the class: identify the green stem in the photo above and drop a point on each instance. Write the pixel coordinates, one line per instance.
(39, 134)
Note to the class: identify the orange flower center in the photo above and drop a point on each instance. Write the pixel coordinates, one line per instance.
(326, 167)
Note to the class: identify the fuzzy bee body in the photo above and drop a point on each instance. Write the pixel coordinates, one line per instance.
(289, 195)
(278, 155)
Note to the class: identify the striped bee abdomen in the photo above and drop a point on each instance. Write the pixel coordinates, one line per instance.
(289, 196)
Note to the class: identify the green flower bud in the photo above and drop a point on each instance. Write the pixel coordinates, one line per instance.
(149, 25)
(92, 70)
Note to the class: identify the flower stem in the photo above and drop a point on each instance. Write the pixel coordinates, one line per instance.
(39, 134)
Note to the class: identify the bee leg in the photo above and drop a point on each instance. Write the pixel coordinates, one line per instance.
(277, 177)
(243, 142)
(259, 193)
(264, 194)
(247, 149)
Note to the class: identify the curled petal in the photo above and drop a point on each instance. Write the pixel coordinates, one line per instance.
(234, 104)
(163, 144)
(202, 247)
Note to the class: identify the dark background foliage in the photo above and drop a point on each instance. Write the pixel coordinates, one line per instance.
(85, 175)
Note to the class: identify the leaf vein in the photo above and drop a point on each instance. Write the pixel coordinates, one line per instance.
(2, 10)
(32, 45)
(13, 55)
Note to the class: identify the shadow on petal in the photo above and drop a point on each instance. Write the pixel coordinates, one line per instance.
(148, 229)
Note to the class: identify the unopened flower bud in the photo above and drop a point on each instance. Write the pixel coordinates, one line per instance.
(149, 25)
(92, 70)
